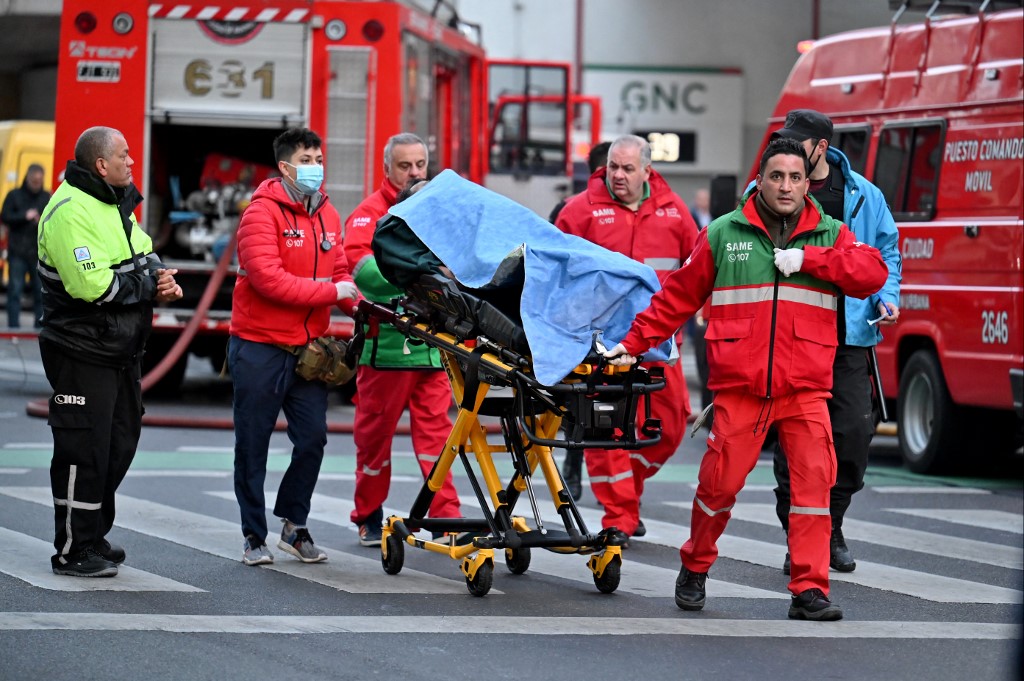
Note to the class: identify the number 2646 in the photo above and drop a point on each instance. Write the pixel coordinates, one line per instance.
(994, 327)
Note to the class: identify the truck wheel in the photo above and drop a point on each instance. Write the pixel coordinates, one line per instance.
(930, 430)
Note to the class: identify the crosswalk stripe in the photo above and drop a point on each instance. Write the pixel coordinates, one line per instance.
(874, 575)
(343, 571)
(637, 578)
(28, 559)
(1003, 521)
(918, 489)
(902, 538)
(502, 625)
(176, 473)
(13, 471)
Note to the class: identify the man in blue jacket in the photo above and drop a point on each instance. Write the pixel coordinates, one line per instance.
(849, 197)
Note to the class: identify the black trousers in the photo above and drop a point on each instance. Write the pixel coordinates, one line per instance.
(96, 420)
(853, 425)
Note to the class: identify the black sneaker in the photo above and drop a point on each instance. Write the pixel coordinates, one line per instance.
(690, 591)
(786, 564)
(640, 529)
(839, 555)
(616, 537)
(112, 552)
(88, 563)
(813, 604)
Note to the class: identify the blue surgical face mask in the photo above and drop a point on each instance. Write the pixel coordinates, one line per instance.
(308, 178)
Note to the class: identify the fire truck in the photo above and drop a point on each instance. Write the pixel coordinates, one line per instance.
(933, 114)
(200, 90)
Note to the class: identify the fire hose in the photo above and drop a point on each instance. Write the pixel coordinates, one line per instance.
(40, 408)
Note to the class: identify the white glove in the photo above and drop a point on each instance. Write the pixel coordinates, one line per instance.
(618, 356)
(346, 289)
(789, 261)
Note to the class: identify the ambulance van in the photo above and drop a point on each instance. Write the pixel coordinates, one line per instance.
(933, 114)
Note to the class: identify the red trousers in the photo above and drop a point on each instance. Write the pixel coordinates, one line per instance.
(381, 397)
(734, 444)
(617, 476)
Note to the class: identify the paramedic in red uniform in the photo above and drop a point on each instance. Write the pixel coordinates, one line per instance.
(774, 269)
(628, 207)
(413, 378)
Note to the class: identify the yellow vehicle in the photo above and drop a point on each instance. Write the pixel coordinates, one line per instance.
(22, 143)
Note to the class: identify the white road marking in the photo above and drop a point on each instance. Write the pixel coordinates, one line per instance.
(14, 471)
(29, 445)
(694, 625)
(176, 473)
(903, 538)
(991, 520)
(350, 477)
(874, 575)
(28, 559)
(343, 571)
(911, 489)
(637, 578)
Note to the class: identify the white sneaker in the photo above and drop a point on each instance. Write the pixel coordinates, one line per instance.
(255, 552)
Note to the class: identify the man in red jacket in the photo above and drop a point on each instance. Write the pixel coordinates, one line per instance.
(774, 269)
(628, 207)
(291, 270)
(395, 375)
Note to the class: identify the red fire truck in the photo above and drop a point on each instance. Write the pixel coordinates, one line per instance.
(933, 114)
(200, 89)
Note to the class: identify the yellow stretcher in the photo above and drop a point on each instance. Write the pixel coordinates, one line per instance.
(596, 406)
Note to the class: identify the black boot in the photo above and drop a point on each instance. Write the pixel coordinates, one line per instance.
(839, 555)
(690, 590)
(572, 472)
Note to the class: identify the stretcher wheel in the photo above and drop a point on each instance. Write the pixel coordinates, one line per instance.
(481, 583)
(395, 557)
(517, 560)
(609, 579)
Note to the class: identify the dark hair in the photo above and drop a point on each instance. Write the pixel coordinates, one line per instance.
(787, 146)
(291, 139)
(413, 187)
(598, 156)
(96, 142)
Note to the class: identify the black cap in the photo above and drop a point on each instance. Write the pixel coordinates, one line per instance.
(803, 124)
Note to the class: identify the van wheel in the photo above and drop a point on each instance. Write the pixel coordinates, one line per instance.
(930, 430)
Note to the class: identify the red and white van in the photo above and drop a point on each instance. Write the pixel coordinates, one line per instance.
(933, 114)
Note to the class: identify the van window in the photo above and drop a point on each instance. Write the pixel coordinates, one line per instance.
(854, 143)
(907, 168)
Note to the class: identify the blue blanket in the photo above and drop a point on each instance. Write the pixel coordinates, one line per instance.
(573, 288)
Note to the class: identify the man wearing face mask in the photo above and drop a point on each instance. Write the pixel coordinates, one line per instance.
(291, 270)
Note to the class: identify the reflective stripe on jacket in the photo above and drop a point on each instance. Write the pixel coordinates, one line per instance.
(767, 334)
(96, 268)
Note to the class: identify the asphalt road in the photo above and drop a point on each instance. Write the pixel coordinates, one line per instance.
(937, 592)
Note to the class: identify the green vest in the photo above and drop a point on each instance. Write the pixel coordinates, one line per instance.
(391, 349)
